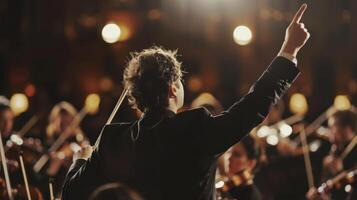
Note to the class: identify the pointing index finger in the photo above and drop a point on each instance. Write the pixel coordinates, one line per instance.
(299, 13)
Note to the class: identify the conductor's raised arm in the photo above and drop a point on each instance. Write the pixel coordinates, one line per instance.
(221, 132)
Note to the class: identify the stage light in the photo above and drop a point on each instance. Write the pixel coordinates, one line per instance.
(298, 104)
(16, 139)
(111, 33)
(125, 33)
(315, 145)
(92, 103)
(19, 103)
(272, 140)
(342, 102)
(263, 131)
(242, 35)
(285, 130)
(348, 188)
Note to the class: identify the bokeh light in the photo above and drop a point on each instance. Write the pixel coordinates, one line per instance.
(298, 104)
(272, 140)
(111, 33)
(242, 35)
(19, 103)
(342, 102)
(263, 131)
(92, 103)
(285, 130)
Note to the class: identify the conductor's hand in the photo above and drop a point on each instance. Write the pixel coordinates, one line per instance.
(296, 34)
(84, 153)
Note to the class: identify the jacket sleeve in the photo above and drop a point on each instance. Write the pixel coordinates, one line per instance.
(83, 177)
(223, 131)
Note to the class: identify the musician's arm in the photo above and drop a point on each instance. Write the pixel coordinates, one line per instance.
(83, 176)
(224, 130)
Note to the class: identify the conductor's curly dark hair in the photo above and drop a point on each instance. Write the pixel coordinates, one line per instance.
(148, 76)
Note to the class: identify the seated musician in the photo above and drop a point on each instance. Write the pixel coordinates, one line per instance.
(242, 163)
(60, 119)
(343, 127)
(6, 118)
(6, 126)
(144, 154)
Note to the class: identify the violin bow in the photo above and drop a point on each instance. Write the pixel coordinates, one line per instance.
(6, 172)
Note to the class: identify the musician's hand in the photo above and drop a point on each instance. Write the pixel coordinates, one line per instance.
(84, 153)
(333, 164)
(296, 34)
(312, 194)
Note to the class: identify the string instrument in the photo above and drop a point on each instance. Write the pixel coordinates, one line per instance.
(339, 181)
(19, 192)
(226, 183)
(32, 148)
(63, 137)
(334, 163)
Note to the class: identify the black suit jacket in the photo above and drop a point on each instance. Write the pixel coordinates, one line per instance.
(167, 156)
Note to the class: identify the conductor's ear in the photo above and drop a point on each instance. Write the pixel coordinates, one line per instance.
(173, 91)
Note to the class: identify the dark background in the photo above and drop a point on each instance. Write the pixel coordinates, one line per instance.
(56, 46)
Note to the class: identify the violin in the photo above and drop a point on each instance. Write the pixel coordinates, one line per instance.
(19, 192)
(341, 180)
(243, 178)
(31, 148)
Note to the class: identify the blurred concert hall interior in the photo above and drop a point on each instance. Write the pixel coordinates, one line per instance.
(61, 75)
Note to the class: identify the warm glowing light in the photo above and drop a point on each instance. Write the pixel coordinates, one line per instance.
(342, 102)
(16, 139)
(285, 130)
(348, 188)
(242, 35)
(126, 32)
(19, 103)
(111, 33)
(219, 184)
(298, 104)
(263, 131)
(92, 103)
(315, 145)
(272, 140)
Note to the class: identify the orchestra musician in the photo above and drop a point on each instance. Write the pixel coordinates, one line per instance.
(61, 118)
(343, 127)
(6, 118)
(170, 155)
(243, 162)
(12, 156)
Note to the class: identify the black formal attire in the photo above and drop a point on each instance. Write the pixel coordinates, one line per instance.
(168, 156)
(245, 192)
